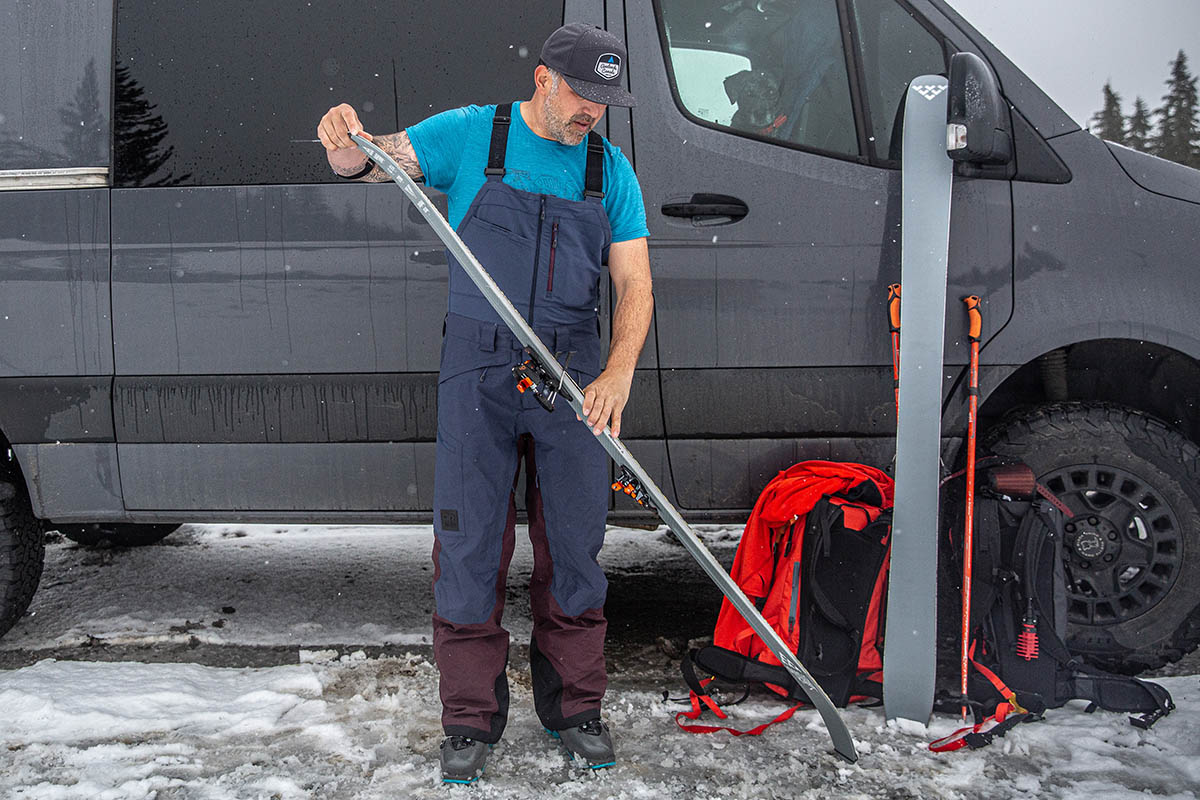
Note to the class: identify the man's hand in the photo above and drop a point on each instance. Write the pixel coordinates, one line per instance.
(604, 399)
(334, 131)
(345, 157)
(337, 125)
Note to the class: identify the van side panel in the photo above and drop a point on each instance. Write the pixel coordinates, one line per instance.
(54, 265)
(277, 347)
(56, 357)
(55, 320)
(57, 349)
(1099, 258)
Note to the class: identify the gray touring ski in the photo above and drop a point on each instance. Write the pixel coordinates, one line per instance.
(547, 379)
(910, 646)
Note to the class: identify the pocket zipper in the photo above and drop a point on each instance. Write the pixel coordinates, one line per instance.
(553, 250)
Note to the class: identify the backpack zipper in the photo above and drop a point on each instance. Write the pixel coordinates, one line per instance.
(553, 250)
(795, 596)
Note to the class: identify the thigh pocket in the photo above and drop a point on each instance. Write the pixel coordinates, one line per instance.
(447, 484)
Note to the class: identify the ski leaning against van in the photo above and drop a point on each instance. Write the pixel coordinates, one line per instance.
(544, 201)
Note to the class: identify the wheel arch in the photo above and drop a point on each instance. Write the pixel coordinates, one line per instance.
(1146, 376)
(11, 468)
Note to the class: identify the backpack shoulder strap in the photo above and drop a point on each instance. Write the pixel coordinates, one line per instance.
(1119, 693)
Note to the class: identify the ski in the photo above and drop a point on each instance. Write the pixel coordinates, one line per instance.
(910, 644)
(546, 378)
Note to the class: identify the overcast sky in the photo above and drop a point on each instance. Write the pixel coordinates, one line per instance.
(1071, 47)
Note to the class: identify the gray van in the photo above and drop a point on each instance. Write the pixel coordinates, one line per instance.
(202, 323)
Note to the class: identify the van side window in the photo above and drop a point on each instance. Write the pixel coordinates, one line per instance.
(773, 69)
(212, 92)
(54, 95)
(895, 48)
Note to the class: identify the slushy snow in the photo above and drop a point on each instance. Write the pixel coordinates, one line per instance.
(343, 725)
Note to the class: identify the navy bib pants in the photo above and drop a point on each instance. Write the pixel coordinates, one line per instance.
(545, 253)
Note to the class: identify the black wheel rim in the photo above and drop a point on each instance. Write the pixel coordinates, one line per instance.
(1123, 548)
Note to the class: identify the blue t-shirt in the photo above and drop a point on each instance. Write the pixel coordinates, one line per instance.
(452, 148)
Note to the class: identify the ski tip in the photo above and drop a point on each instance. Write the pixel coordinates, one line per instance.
(850, 756)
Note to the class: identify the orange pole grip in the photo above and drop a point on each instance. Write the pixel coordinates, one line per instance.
(894, 307)
(975, 317)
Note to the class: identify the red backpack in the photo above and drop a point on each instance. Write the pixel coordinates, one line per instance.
(813, 558)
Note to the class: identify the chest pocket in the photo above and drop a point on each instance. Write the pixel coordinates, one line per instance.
(573, 270)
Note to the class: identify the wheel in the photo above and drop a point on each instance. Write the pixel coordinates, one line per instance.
(22, 546)
(120, 534)
(1132, 550)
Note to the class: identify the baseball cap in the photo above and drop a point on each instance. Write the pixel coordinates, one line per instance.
(591, 61)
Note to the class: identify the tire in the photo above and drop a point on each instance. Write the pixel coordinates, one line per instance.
(1132, 552)
(120, 534)
(22, 548)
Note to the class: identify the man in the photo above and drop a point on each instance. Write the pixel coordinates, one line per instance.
(542, 201)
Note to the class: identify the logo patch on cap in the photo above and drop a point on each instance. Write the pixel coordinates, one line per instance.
(608, 66)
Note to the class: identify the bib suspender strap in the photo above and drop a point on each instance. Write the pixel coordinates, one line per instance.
(593, 177)
(499, 146)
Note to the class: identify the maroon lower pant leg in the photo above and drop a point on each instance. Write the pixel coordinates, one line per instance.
(472, 659)
(566, 653)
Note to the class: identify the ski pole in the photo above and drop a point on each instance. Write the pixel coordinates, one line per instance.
(975, 327)
(894, 324)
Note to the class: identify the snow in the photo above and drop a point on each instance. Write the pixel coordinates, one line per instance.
(340, 724)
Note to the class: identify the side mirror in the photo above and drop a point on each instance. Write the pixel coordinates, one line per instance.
(979, 130)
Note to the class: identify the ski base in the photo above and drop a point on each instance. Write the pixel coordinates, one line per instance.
(910, 646)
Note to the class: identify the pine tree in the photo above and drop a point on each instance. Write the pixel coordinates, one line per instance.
(1141, 128)
(138, 137)
(1178, 136)
(1109, 122)
(84, 122)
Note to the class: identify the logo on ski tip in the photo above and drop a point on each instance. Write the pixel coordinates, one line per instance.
(608, 66)
(930, 90)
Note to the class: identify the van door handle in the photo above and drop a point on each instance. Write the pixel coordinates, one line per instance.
(708, 209)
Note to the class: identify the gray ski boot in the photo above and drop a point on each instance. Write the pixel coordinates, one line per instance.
(462, 759)
(589, 740)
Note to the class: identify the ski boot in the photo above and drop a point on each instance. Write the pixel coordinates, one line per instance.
(590, 740)
(462, 759)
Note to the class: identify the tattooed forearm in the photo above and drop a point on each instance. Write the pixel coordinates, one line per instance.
(347, 171)
(400, 148)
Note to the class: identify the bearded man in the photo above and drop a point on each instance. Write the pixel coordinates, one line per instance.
(543, 202)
